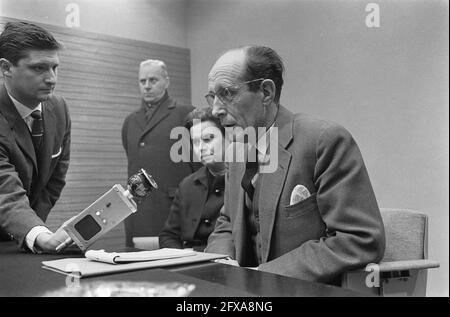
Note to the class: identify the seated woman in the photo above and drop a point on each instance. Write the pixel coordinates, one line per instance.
(199, 197)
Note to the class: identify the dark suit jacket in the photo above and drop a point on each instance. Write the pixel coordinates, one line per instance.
(336, 229)
(148, 146)
(29, 191)
(193, 212)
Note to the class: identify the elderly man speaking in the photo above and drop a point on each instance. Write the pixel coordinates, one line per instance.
(316, 215)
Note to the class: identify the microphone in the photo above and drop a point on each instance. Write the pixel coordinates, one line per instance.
(107, 211)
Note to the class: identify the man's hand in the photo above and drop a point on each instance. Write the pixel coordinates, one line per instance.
(53, 243)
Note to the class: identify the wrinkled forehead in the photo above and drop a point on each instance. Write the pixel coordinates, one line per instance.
(227, 70)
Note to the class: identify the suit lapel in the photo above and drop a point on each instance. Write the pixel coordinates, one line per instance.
(163, 111)
(271, 187)
(237, 209)
(272, 184)
(19, 127)
(140, 117)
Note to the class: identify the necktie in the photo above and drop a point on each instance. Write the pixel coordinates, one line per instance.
(37, 130)
(149, 112)
(251, 168)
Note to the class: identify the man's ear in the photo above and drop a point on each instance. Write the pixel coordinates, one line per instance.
(167, 82)
(5, 67)
(268, 89)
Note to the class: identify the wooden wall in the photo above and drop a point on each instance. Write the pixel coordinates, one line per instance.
(98, 78)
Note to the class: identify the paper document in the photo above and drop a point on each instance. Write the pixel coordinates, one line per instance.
(84, 267)
(140, 256)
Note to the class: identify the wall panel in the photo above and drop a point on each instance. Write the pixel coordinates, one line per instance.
(98, 79)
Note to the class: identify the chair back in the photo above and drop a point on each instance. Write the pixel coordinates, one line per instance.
(406, 234)
(146, 243)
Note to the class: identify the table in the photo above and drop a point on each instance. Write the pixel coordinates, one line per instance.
(21, 275)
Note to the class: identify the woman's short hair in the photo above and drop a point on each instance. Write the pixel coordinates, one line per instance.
(203, 115)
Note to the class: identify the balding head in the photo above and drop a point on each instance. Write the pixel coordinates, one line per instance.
(228, 69)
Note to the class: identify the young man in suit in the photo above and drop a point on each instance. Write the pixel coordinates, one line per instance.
(147, 143)
(314, 216)
(34, 137)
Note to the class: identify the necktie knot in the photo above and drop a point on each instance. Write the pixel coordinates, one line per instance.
(251, 168)
(36, 115)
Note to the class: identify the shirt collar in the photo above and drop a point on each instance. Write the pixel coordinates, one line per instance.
(263, 144)
(23, 110)
(159, 102)
(201, 175)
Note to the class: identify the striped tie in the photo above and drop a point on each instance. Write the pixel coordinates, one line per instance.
(37, 130)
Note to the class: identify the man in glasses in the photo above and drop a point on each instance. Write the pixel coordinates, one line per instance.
(315, 215)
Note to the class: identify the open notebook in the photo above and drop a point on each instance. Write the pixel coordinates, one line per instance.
(101, 262)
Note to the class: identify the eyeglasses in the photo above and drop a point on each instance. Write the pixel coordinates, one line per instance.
(225, 95)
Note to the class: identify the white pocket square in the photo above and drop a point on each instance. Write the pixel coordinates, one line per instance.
(299, 193)
(57, 154)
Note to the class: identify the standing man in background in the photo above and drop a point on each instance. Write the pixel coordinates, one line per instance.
(147, 143)
(34, 137)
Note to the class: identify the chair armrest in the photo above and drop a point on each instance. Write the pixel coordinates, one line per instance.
(408, 265)
(403, 265)
(396, 278)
